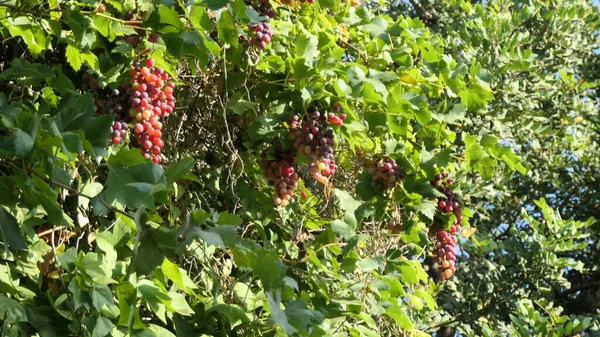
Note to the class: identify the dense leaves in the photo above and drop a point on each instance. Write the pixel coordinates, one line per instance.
(296, 188)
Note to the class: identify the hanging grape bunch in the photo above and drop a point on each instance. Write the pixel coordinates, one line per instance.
(151, 98)
(107, 101)
(263, 7)
(386, 173)
(314, 139)
(446, 238)
(262, 34)
(278, 166)
(134, 19)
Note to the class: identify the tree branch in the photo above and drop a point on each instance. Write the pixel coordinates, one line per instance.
(424, 14)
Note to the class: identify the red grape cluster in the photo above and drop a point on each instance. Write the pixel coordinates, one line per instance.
(279, 168)
(446, 239)
(333, 118)
(134, 39)
(262, 34)
(445, 253)
(315, 139)
(386, 173)
(151, 98)
(118, 131)
(264, 7)
(107, 101)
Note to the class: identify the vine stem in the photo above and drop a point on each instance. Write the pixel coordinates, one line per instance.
(52, 230)
(69, 188)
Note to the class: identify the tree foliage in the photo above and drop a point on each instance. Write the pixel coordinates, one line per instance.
(453, 187)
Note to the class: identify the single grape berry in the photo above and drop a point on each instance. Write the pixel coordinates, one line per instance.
(153, 38)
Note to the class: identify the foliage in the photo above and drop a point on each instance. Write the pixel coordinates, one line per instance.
(100, 241)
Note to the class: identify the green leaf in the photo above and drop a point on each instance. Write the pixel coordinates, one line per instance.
(160, 331)
(73, 57)
(227, 218)
(475, 97)
(12, 311)
(32, 33)
(194, 44)
(296, 316)
(377, 28)
(350, 221)
(26, 73)
(342, 228)
(103, 327)
(403, 321)
(427, 208)
(37, 191)
(278, 316)
(179, 169)
(174, 274)
(371, 263)
(169, 20)
(228, 33)
(101, 295)
(23, 143)
(221, 236)
(180, 305)
(149, 256)
(133, 185)
(269, 268)
(307, 46)
(234, 314)
(215, 4)
(453, 115)
(82, 27)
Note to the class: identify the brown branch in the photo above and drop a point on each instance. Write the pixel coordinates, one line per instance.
(362, 54)
(51, 231)
(424, 14)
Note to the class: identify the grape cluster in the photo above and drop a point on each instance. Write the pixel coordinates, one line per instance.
(446, 239)
(107, 101)
(386, 173)
(333, 118)
(263, 7)
(118, 131)
(279, 168)
(262, 34)
(151, 98)
(134, 19)
(315, 139)
(445, 253)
